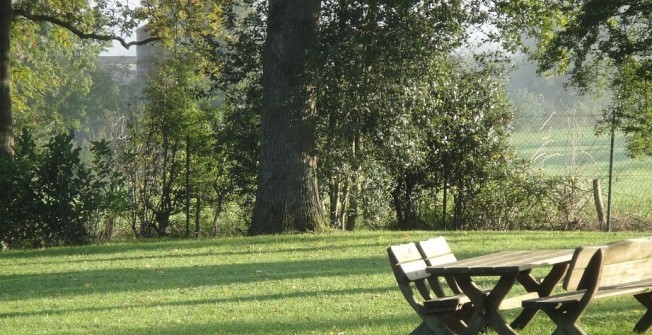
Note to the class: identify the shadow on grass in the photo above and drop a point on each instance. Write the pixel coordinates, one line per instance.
(212, 301)
(224, 246)
(393, 324)
(177, 253)
(43, 285)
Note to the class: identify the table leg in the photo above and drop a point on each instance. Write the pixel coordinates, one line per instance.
(646, 321)
(543, 289)
(486, 305)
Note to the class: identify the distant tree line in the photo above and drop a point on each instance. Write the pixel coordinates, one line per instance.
(279, 116)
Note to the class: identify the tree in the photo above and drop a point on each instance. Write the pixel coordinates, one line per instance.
(53, 72)
(6, 131)
(361, 46)
(370, 51)
(173, 127)
(106, 20)
(75, 16)
(287, 197)
(603, 45)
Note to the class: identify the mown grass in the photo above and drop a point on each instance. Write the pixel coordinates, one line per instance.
(335, 283)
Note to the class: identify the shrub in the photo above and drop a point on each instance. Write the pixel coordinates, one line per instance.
(50, 196)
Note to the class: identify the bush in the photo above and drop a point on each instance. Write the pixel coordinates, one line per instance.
(518, 198)
(51, 197)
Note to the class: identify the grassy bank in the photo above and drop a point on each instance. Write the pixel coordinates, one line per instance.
(291, 284)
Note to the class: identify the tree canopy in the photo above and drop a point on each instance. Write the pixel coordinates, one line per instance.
(603, 46)
(24, 23)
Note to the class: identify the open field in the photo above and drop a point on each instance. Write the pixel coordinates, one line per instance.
(579, 153)
(336, 283)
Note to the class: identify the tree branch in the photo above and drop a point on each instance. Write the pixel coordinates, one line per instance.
(81, 34)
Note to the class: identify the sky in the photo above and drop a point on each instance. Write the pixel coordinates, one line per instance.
(119, 50)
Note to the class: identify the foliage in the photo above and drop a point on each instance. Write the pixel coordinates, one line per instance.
(49, 68)
(46, 28)
(387, 94)
(238, 133)
(193, 25)
(516, 197)
(445, 143)
(603, 45)
(172, 129)
(368, 54)
(631, 109)
(52, 197)
(110, 198)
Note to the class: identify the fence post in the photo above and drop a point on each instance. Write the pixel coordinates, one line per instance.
(597, 197)
(611, 168)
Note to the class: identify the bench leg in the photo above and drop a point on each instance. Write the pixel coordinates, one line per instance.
(566, 321)
(646, 321)
(456, 321)
(422, 329)
(487, 305)
(436, 325)
(543, 289)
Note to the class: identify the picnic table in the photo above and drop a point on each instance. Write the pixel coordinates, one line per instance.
(510, 267)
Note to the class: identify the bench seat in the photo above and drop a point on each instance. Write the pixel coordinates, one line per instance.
(553, 301)
(444, 304)
(598, 272)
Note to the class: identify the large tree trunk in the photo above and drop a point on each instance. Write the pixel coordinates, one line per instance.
(6, 119)
(287, 198)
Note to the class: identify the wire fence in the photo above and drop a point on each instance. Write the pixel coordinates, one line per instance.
(565, 144)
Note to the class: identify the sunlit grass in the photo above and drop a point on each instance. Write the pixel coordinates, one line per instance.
(337, 283)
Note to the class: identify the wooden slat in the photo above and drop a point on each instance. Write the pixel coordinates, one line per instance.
(407, 262)
(516, 302)
(435, 247)
(633, 270)
(628, 260)
(405, 252)
(604, 292)
(626, 270)
(436, 251)
(578, 265)
(414, 270)
(503, 262)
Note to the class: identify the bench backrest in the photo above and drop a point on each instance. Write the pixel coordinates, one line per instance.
(410, 272)
(407, 263)
(436, 251)
(622, 262)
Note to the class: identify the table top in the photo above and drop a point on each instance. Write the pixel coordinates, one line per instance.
(504, 262)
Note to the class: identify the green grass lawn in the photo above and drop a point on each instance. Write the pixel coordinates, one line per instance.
(336, 283)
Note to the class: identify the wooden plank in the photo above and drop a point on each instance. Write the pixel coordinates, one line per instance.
(626, 271)
(435, 247)
(578, 265)
(405, 252)
(503, 262)
(516, 302)
(575, 296)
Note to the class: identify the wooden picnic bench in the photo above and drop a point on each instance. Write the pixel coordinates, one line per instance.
(438, 300)
(510, 267)
(596, 272)
(440, 313)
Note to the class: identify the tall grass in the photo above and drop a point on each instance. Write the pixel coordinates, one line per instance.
(576, 152)
(336, 283)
